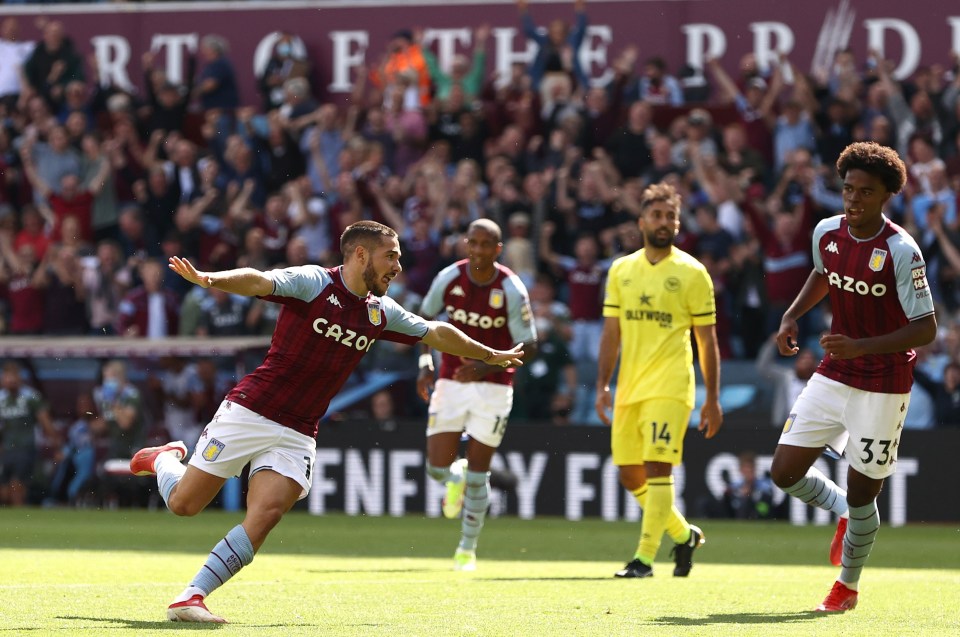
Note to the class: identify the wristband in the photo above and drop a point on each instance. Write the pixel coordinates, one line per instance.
(425, 362)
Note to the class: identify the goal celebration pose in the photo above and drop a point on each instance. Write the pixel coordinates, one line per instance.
(330, 318)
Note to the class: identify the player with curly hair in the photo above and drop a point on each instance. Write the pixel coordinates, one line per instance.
(881, 305)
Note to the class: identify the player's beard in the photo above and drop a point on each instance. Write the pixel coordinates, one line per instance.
(657, 240)
(374, 281)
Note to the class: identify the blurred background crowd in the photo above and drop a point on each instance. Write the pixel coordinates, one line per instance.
(98, 186)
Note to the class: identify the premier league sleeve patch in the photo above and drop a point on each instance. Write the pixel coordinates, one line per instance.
(919, 277)
(212, 450)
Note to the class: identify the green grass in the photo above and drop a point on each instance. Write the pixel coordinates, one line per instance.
(87, 573)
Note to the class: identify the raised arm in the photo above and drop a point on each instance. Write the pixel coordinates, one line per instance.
(243, 281)
(730, 90)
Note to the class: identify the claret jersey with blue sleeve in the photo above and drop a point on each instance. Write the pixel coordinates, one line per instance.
(322, 332)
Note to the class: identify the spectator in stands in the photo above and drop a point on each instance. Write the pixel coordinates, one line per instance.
(167, 103)
(787, 380)
(755, 105)
(466, 73)
(938, 194)
(150, 310)
(557, 49)
(120, 404)
(174, 387)
(32, 232)
(748, 296)
(288, 60)
(309, 214)
(404, 74)
(51, 160)
(629, 146)
(748, 496)
(73, 199)
(13, 53)
(105, 281)
(24, 296)
(738, 159)
(656, 86)
(285, 161)
(23, 412)
(697, 132)
(583, 276)
(217, 83)
(76, 461)
(53, 64)
(910, 118)
(547, 383)
(223, 314)
(61, 278)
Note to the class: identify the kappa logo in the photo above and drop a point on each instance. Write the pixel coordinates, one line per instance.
(333, 300)
(457, 291)
(832, 247)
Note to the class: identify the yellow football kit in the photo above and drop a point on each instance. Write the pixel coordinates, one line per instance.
(656, 304)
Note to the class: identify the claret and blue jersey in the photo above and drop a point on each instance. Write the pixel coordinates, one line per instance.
(877, 286)
(322, 332)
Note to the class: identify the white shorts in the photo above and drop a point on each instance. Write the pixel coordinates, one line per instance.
(830, 413)
(237, 436)
(479, 409)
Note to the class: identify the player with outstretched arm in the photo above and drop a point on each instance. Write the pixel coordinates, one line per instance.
(330, 318)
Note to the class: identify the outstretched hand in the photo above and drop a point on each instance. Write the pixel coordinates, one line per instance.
(507, 358)
(184, 268)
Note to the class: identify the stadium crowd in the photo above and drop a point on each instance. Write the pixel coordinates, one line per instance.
(99, 186)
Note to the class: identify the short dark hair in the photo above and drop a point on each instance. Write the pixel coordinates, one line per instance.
(369, 234)
(877, 160)
(660, 192)
(487, 225)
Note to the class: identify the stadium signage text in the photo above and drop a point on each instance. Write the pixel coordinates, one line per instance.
(575, 485)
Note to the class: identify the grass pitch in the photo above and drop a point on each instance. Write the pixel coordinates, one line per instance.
(87, 573)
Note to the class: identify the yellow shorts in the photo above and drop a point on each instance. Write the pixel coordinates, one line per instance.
(649, 431)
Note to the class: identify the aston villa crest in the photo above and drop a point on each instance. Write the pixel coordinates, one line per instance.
(496, 299)
(374, 314)
(877, 259)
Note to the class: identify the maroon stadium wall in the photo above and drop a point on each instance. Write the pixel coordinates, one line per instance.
(567, 471)
(340, 35)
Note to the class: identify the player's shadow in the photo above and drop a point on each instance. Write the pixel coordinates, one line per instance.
(142, 627)
(321, 571)
(739, 618)
(546, 579)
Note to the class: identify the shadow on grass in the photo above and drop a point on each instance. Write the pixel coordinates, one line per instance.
(123, 624)
(546, 579)
(377, 570)
(739, 618)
